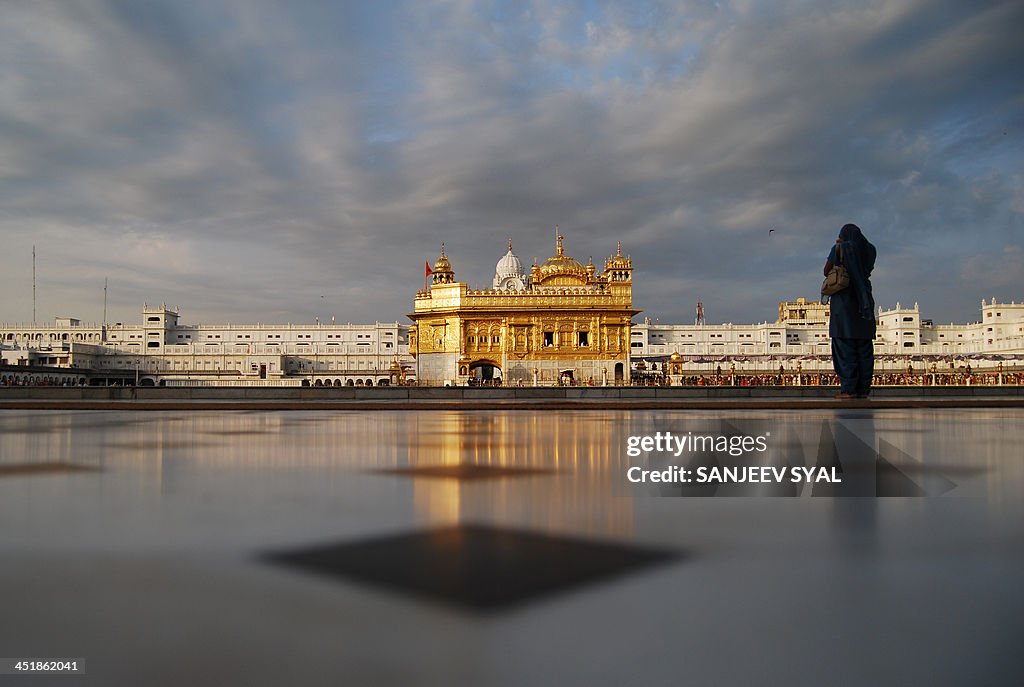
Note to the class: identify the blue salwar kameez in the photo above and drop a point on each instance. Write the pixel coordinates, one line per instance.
(852, 314)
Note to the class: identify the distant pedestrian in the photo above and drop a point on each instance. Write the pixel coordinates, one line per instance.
(852, 317)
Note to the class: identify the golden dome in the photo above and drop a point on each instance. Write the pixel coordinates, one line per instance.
(560, 269)
(443, 272)
(442, 264)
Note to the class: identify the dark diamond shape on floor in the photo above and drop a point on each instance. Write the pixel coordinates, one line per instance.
(22, 469)
(473, 567)
(890, 481)
(465, 471)
(895, 467)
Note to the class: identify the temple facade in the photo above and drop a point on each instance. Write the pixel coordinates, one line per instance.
(561, 322)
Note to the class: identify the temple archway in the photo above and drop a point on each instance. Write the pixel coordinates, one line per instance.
(485, 371)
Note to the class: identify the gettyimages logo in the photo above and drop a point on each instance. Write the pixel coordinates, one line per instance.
(676, 444)
(725, 460)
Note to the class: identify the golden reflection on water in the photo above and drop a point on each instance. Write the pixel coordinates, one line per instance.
(577, 496)
(555, 471)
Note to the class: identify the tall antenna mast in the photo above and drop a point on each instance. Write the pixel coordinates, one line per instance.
(33, 283)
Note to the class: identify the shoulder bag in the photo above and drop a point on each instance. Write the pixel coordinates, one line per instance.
(837, 278)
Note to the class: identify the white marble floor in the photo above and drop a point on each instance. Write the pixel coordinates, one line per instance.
(508, 548)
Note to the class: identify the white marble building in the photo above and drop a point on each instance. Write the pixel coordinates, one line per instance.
(801, 335)
(163, 350)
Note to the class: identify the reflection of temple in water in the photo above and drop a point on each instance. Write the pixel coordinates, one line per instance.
(554, 472)
(551, 471)
(581, 462)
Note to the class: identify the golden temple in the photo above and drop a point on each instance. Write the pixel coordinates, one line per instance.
(560, 323)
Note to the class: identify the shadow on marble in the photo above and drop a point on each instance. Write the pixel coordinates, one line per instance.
(475, 568)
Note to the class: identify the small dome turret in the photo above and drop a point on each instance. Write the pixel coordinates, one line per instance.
(618, 268)
(443, 272)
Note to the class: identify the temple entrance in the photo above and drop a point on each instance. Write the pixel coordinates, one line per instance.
(484, 373)
(618, 373)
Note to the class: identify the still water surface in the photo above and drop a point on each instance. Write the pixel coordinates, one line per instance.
(158, 477)
(114, 523)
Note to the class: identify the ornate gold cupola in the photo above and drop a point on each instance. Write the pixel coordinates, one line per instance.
(618, 268)
(443, 272)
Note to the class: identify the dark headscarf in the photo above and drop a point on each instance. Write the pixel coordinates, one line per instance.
(859, 259)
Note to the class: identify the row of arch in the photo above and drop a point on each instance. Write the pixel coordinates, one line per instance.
(80, 336)
(350, 382)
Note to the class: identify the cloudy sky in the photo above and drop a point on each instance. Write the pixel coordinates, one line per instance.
(253, 160)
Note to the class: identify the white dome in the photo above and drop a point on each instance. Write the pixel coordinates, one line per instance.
(509, 268)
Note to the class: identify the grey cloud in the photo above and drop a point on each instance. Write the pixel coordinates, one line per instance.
(278, 151)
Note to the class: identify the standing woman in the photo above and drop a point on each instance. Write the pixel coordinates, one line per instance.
(852, 319)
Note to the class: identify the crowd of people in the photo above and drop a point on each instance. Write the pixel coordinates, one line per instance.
(745, 379)
(961, 377)
(40, 380)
